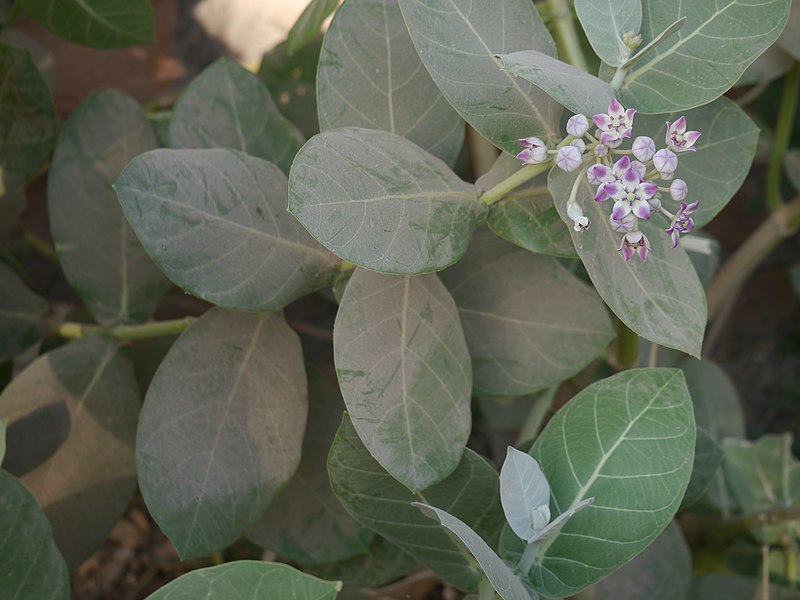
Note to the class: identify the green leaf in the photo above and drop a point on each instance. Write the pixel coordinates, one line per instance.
(226, 106)
(576, 90)
(529, 331)
(98, 251)
(383, 504)
(28, 123)
(606, 22)
(502, 578)
(308, 25)
(707, 460)
(224, 440)
(661, 299)
(215, 221)
(248, 579)
(736, 587)
(405, 374)
(370, 76)
(306, 522)
(97, 23)
(72, 417)
(664, 567)
(30, 564)
(381, 202)
(724, 153)
(706, 57)
(593, 447)
(457, 41)
(12, 232)
(524, 491)
(526, 217)
(21, 314)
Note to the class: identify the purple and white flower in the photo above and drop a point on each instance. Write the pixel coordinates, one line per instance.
(665, 161)
(678, 139)
(643, 148)
(568, 158)
(682, 222)
(577, 125)
(631, 195)
(534, 151)
(579, 220)
(623, 225)
(634, 242)
(602, 175)
(678, 190)
(616, 125)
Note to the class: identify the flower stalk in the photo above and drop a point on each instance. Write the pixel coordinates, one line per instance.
(74, 331)
(526, 173)
(568, 42)
(783, 131)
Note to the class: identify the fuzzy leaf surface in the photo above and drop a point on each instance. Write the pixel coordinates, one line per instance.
(605, 22)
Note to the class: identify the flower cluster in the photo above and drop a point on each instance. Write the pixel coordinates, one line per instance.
(628, 178)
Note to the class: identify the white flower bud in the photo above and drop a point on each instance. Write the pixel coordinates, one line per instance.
(577, 125)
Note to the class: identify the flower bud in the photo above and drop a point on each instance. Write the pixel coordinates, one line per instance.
(577, 125)
(678, 190)
(579, 144)
(643, 148)
(665, 161)
(568, 158)
(600, 150)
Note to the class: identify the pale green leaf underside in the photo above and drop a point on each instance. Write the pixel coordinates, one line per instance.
(405, 374)
(706, 57)
(97, 23)
(377, 200)
(523, 489)
(30, 565)
(215, 221)
(72, 417)
(383, 504)
(661, 299)
(371, 76)
(221, 428)
(594, 447)
(308, 25)
(21, 314)
(457, 41)
(248, 580)
(98, 251)
(606, 22)
(576, 90)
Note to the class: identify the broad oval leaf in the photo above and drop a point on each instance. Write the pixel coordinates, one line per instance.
(221, 428)
(705, 57)
(30, 564)
(576, 90)
(661, 299)
(215, 221)
(526, 217)
(248, 579)
(529, 331)
(308, 25)
(371, 76)
(524, 492)
(707, 461)
(98, 251)
(97, 23)
(306, 522)
(606, 22)
(72, 417)
(405, 374)
(724, 153)
(227, 106)
(383, 504)
(457, 41)
(28, 123)
(628, 441)
(377, 200)
(21, 314)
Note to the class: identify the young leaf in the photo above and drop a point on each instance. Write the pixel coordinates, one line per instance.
(224, 440)
(21, 314)
(370, 76)
(98, 251)
(405, 374)
(595, 446)
(724, 153)
(215, 221)
(381, 202)
(308, 25)
(606, 22)
(662, 299)
(706, 57)
(576, 90)
(526, 332)
(502, 578)
(30, 564)
(247, 579)
(525, 494)
(457, 41)
(226, 106)
(28, 123)
(707, 460)
(72, 417)
(306, 522)
(381, 503)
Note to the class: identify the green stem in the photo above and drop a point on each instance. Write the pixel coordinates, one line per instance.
(71, 330)
(13, 15)
(346, 265)
(627, 347)
(485, 590)
(526, 173)
(783, 132)
(567, 35)
(528, 557)
(39, 245)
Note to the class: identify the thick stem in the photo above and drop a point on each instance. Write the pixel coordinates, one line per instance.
(783, 132)
(779, 225)
(482, 153)
(627, 347)
(528, 558)
(526, 173)
(72, 330)
(619, 77)
(40, 246)
(568, 43)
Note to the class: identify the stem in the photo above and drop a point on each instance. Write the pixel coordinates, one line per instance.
(346, 265)
(13, 14)
(528, 557)
(652, 360)
(627, 347)
(485, 590)
(73, 331)
(619, 77)
(41, 246)
(765, 570)
(779, 225)
(482, 153)
(568, 42)
(783, 131)
(526, 173)
(533, 423)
